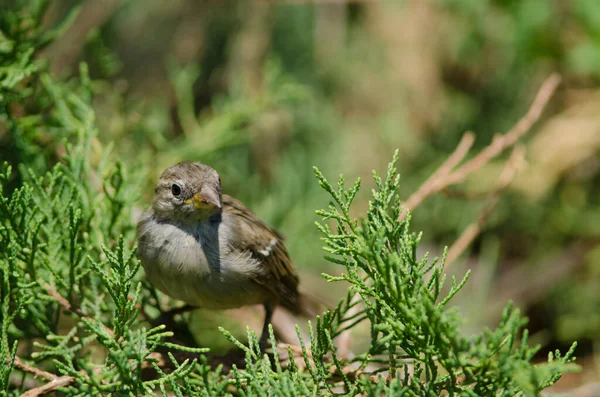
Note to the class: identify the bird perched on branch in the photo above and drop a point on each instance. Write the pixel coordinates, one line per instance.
(208, 250)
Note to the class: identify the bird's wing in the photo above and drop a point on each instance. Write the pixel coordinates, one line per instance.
(265, 244)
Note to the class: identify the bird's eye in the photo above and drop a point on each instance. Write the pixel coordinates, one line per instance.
(175, 189)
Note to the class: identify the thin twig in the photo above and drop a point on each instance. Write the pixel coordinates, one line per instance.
(36, 372)
(68, 307)
(502, 142)
(54, 382)
(434, 182)
(51, 386)
(445, 177)
(512, 166)
(64, 302)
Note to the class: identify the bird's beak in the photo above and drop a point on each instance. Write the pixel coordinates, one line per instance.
(206, 198)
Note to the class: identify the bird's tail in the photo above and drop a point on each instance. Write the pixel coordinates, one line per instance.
(305, 304)
(309, 305)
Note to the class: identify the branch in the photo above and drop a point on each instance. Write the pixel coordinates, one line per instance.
(445, 177)
(54, 382)
(68, 307)
(502, 142)
(432, 184)
(512, 166)
(64, 302)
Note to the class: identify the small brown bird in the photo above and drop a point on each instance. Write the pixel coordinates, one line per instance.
(208, 250)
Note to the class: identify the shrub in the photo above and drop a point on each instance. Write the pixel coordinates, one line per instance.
(78, 315)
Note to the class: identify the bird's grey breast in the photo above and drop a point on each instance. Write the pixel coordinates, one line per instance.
(195, 263)
(168, 244)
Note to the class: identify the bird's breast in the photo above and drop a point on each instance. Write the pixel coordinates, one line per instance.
(197, 264)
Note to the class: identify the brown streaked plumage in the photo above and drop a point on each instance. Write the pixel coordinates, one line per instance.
(208, 250)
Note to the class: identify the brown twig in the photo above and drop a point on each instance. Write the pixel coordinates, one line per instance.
(63, 301)
(54, 382)
(434, 183)
(498, 145)
(512, 166)
(51, 386)
(36, 372)
(502, 142)
(445, 177)
(68, 307)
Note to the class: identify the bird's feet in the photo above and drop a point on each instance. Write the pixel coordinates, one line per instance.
(168, 318)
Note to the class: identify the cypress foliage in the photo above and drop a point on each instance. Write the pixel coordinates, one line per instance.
(74, 302)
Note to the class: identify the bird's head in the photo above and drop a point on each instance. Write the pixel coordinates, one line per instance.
(188, 191)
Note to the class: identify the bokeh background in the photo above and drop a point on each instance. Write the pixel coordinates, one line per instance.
(264, 90)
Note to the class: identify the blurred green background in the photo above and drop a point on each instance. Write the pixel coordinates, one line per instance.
(264, 90)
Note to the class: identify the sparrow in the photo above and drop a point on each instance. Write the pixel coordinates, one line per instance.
(208, 250)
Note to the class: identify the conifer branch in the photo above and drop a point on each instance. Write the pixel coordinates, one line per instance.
(447, 175)
(54, 382)
(59, 225)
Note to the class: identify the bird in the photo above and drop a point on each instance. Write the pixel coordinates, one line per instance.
(208, 250)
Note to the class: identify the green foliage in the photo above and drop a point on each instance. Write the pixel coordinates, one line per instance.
(409, 319)
(74, 303)
(55, 229)
(53, 237)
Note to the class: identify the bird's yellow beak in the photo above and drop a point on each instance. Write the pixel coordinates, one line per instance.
(205, 199)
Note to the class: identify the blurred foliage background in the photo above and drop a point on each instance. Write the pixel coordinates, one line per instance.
(264, 90)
